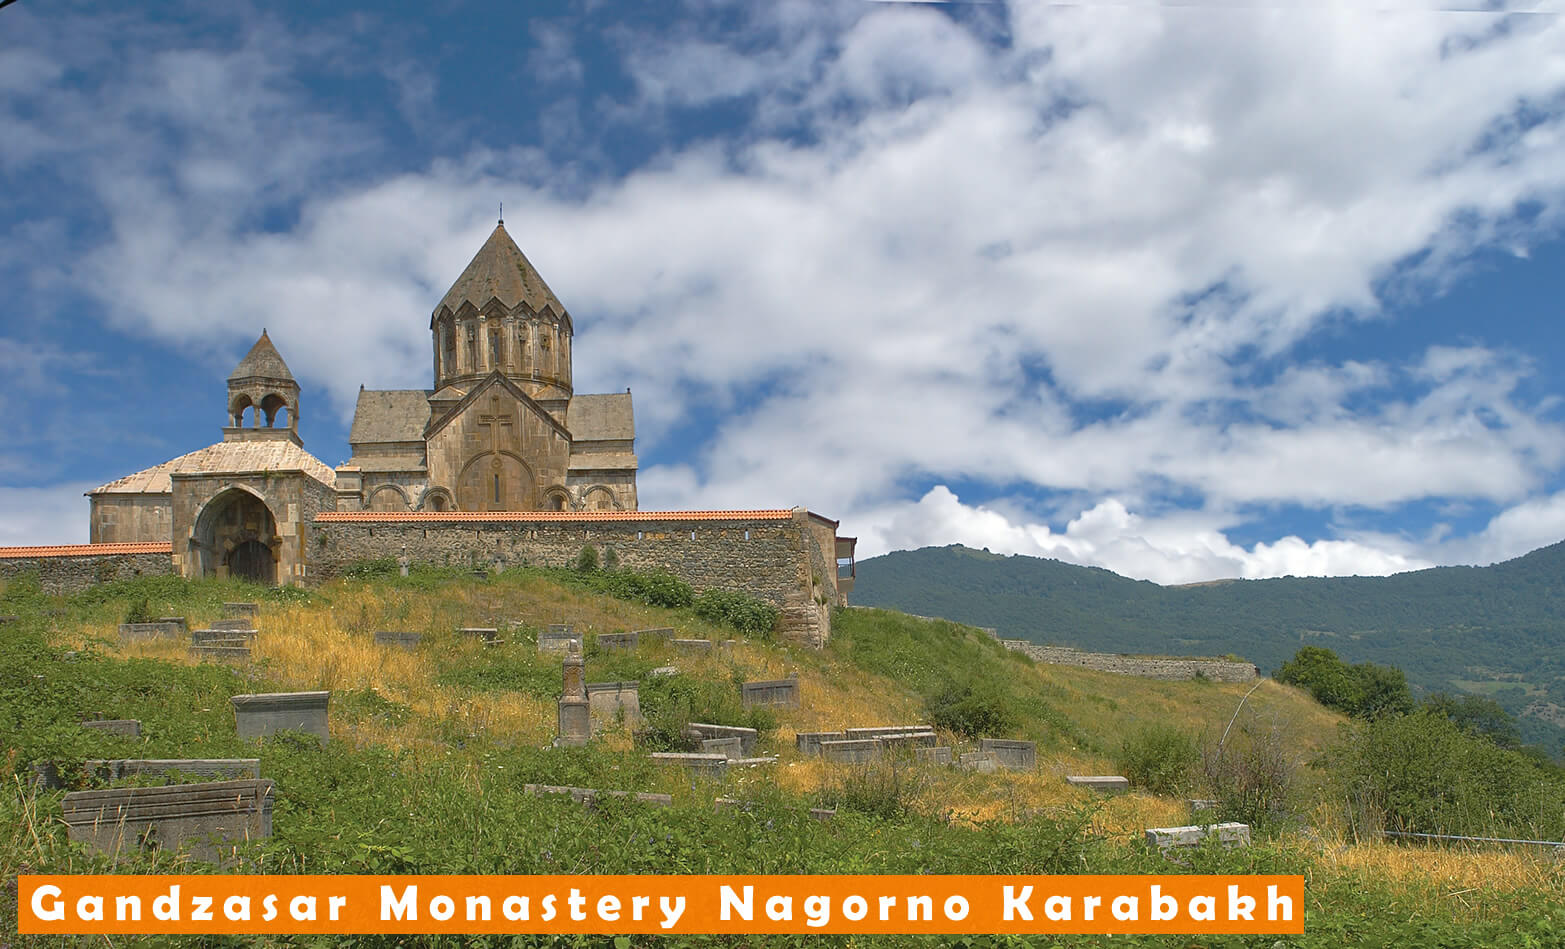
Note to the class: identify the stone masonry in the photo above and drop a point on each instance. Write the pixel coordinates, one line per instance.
(1146, 667)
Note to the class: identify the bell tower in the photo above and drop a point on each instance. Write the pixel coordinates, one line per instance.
(263, 397)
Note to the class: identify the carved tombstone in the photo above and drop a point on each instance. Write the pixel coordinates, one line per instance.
(575, 709)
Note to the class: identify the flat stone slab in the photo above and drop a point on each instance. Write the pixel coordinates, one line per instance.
(226, 651)
(940, 754)
(590, 796)
(699, 731)
(203, 819)
(126, 727)
(664, 671)
(708, 765)
(663, 632)
(692, 645)
(159, 630)
(397, 640)
(256, 716)
(1203, 804)
(211, 768)
(177, 620)
(232, 610)
(730, 748)
(558, 629)
(221, 637)
(1229, 835)
(886, 731)
(809, 743)
(625, 641)
(1099, 782)
(772, 692)
(489, 634)
(751, 762)
(244, 622)
(851, 750)
(981, 761)
(611, 702)
(823, 813)
(1015, 755)
(908, 740)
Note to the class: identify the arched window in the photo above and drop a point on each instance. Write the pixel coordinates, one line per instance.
(272, 406)
(496, 353)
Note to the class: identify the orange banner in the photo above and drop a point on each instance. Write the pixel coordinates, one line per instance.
(195, 905)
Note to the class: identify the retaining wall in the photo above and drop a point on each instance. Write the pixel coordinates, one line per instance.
(74, 567)
(1146, 667)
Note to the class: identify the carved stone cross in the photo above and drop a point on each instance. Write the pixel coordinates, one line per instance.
(494, 421)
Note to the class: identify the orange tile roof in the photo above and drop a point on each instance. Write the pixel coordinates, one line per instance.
(85, 550)
(346, 517)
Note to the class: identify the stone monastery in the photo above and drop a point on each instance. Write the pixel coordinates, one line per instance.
(499, 462)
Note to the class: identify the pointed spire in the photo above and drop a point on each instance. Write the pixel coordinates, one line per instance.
(263, 361)
(500, 270)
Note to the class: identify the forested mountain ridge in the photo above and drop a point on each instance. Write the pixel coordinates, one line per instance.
(1497, 630)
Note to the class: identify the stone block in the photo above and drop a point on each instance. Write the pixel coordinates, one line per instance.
(1203, 804)
(226, 651)
(657, 632)
(559, 639)
(692, 645)
(940, 754)
(823, 813)
(1229, 835)
(1015, 755)
(851, 750)
(132, 632)
(256, 716)
(981, 761)
(625, 641)
(887, 731)
(559, 629)
(776, 692)
(221, 637)
(212, 769)
(664, 671)
(907, 741)
(489, 634)
(698, 731)
(613, 701)
(177, 620)
(727, 747)
(244, 622)
(232, 610)
(711, 766)
(202, 819)
(589, 797)
(809, 743)
(125, 727)
(751, 762)
(1106, 783)
(408, 641)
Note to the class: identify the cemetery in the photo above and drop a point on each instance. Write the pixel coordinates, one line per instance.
(590, 737)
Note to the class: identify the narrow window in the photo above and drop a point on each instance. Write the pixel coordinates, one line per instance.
(746, 535)
(497, 489)
(692, 535)
(494, 350)
(639, 535)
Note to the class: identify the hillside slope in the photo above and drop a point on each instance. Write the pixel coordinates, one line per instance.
(1497, 630)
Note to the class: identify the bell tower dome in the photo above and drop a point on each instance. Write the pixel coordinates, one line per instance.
(263, 397)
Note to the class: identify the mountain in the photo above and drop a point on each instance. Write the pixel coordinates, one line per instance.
(1497, 631)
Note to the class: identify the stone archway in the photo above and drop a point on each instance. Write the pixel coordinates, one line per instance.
(237, 536)
(496, 481)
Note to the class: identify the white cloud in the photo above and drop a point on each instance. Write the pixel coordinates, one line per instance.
(56, 514)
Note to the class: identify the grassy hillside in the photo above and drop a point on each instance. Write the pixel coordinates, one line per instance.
(1498, 631)
(430, 751)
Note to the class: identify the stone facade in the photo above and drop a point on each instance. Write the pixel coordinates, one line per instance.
(1146, 667)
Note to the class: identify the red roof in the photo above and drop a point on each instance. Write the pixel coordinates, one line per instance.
(345, 517)
(85, 550)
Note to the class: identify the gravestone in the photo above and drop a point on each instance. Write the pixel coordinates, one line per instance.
(1229, 835)
(692, 645)
(260, 715)
(220, 652)
(177, 620)
(126, 727)
(1105, 783)
(729, 748)
(488, 634)
(1203, 804)
(851, 750)
(664, 671)
(142, 631)
(589, 796)
(809, 743)
(408, 641)
(232, 610)
(575, 711)
(699, 731)
(614, 701)
(981, 761)
(657, 632)
(1015, 755)
(940, 754)
(204, 819)
(213, 769)
(608, 641)
(558, 639)
(902, 742)
(751, 762)
(241, 623)
(705, 765)
(888, 731)
(823, 813)
(777, 692)
(222, 637)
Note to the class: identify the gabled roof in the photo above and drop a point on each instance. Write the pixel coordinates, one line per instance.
(263, 360)
(601, 417)
(495, 378)
(389, 415)
(501, 271)
(269, 455)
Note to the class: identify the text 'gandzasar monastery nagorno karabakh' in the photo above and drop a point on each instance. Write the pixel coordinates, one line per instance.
(500, 461)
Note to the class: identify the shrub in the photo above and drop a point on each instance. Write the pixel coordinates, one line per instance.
(669, 703)
(140, 612)
(970, 710)
(610, 558)
(885, 788)
(1362, 691)
(374, 569)
(587, 560)
(746, 613)
(1160, 758)
(1250, 775)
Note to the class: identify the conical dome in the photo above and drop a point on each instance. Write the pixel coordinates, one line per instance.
(500, 271)
(262, 362)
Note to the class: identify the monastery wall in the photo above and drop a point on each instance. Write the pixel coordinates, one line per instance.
(1146, 667)
(75, 567)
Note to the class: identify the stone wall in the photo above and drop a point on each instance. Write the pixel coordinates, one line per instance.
(130, 518)
(774, 555)
(1146, 667)
(76, 567)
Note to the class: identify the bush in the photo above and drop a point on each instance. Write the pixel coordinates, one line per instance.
(970, 710)
(654, 589)
(1251, 776)
(1362, 691)
(669, 703)
(885, 788)
(1160, 758)
(610, 559)
(587, 560)
(140, 612)
(746, 613)
(375, 569)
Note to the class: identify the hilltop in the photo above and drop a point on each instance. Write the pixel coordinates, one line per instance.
(1497, 631)
(431, 751)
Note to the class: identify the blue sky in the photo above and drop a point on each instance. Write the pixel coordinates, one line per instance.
(1185, 291)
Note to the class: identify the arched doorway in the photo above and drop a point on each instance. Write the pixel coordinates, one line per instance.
(237, 537)
(496, 481)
